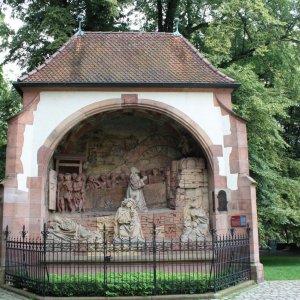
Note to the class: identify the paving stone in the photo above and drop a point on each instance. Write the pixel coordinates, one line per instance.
(6, 295)
(270, 290)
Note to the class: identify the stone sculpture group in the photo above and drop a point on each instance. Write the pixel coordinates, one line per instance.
(127, 227)
(72, 188)
(70, 192)
(71, 197)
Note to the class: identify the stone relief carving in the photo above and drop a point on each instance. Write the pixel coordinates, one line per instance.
(92, 183)
(71, 192)
(60, 193)
(196, 223)
(67, 190)
(135, 189)
(79, 193)
(109, 223)
(156, 176)
(68, 230)
(75, 192)
(191, 192)
(127, 222)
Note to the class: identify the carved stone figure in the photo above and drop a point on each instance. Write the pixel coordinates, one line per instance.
(114, 180)
(145, 176)
(108, 181)
(135, 189)
(184, 146)
(60, 201)
(156, 176)
(103, 184)
(92, 183)
(79, 193)
(68, 230)
(123, 182)
(83, 178)
(196, 223)
(127, 222)
(68, 191)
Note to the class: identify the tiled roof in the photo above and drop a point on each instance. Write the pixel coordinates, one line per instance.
(98, 58)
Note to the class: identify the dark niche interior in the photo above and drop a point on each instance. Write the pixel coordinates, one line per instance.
(105, 146)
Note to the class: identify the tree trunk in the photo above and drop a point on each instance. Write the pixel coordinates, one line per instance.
(170, 15)
(160, 16)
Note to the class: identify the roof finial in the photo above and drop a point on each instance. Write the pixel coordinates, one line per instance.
(80, 20)
(176, 24)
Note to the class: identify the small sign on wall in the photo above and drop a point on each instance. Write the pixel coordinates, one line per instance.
(238, 221)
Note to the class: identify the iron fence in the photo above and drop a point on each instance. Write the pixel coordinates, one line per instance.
(67, 268)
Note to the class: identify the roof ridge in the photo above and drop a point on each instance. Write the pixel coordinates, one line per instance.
(48, 60)
(209, 64)
(128, 32)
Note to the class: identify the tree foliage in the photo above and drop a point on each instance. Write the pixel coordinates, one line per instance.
(10, 104)
(9, 101)
(50, 23)
(255, 42)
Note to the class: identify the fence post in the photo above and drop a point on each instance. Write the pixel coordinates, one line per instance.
(24, 266)
(23, 233)
(154, 260)
(6, 234)
(104, 260)
(213, 264)
(44, 233)
(248, 229)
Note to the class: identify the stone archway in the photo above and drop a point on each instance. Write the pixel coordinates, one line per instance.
(45, 152)
(115, 105)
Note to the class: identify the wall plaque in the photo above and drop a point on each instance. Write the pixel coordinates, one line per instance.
(238, 221)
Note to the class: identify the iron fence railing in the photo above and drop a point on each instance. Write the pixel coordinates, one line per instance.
(50, 268)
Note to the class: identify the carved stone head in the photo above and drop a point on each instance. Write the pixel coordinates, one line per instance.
(134, 170)
(68, 177)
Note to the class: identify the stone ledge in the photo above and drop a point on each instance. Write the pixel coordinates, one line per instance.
(219, 294)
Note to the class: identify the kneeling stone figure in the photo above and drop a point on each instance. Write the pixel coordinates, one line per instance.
(127, 222)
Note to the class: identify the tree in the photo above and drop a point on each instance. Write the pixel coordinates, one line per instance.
(160, 14)
(50, 23)
(9, 102)
(10, 105)
(258, 44)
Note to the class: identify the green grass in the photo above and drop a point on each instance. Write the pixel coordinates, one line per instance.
(281, 267)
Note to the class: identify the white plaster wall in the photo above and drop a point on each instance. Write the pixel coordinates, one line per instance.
(54, 107)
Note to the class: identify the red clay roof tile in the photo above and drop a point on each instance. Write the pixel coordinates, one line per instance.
(127, 58)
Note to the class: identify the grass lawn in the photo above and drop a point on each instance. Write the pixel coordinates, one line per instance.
(281, 267)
